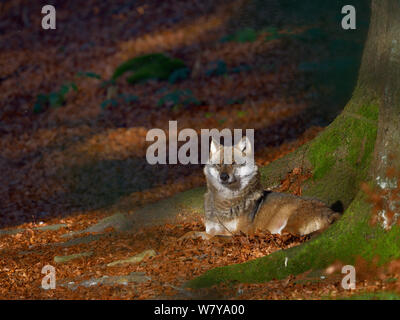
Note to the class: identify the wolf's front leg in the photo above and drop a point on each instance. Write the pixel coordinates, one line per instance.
(195, 235)
(212, 229)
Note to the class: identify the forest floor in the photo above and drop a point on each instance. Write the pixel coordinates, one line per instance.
(64, 169)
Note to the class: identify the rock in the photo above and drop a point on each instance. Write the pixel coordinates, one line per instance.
(189, 203)
(134, 259)
(53, 227)
(133, 277)
(82, 240)
(118, 221)
(62, 259)
(11, 231)
(26, 252)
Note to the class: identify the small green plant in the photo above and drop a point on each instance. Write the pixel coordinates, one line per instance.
(179, 75)
(178, 98)
(128, 98)
(241, 114)
(122, 98)
(150, 66)
(53, 99)
(235, 101)
(217, 68)
(109, 103)
(240, 68)
(41, 103)
(107, 83)
(222, 121)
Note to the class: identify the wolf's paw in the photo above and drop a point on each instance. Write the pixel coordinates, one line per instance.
(195, 235)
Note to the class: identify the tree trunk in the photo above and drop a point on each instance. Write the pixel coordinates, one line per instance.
(361, 145)
(382, 59)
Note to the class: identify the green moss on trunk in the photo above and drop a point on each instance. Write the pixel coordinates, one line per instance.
(341, 155)
(351, 236)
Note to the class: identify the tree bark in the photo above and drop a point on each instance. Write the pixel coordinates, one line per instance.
(382, 74)
(361, 145)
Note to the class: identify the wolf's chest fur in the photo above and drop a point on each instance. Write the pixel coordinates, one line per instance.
(228, 211)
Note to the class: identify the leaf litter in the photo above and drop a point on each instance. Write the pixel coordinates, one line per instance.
(66, 160)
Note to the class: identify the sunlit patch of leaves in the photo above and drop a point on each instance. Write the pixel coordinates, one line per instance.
(251, 35)
(273, 34)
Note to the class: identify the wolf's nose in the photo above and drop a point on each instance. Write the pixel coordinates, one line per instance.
(224, 177)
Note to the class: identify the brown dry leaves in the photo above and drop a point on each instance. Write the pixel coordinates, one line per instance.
(175, 262)
(59, 166)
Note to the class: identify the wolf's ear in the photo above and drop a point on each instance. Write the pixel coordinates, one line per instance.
(214, 146)
(244, 145)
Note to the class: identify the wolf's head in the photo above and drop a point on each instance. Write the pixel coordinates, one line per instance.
(230, 168)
